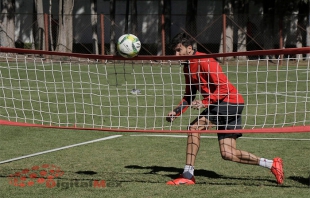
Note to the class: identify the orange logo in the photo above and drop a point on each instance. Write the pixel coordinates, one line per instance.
(44, 174)
(47, 173)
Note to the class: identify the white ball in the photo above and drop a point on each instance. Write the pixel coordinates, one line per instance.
(128, 45)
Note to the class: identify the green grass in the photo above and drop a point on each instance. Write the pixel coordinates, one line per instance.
(97, 95)
(139, 166)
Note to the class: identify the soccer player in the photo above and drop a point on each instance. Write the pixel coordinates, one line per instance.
(222, 107)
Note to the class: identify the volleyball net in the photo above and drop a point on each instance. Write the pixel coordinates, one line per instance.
(111, 93)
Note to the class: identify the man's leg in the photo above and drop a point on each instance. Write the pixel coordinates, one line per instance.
(192, 148)
(229, 152)
(193, 139)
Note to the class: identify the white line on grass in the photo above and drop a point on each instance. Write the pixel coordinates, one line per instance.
(281, 94)
(251, 138)
(61, 148)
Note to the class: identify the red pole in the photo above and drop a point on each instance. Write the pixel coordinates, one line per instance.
(224, 35)
(102, 33)
(163, 38)
(46, 31)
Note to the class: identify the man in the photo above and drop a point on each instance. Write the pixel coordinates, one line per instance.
(223, 107)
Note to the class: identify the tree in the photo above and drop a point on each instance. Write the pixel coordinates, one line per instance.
(268, 23)
(191, 19)
(7, 23)
(112, 29)
(308, 27)
(132, 14)
(134, 17)
(65, 31)
(127, 16)
(39, 26)
(303, 29)
(284, 10)
(291, 20)
(94, 21)
(51, 22)
(228, 11)
(167, 17)
(164, 10)
(243, 11)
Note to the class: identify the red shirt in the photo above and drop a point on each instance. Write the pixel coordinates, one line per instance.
(206, 76)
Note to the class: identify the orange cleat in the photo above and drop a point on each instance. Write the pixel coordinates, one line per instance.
(181, 181)
(277, 170)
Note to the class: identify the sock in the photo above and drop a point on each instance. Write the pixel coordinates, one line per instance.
(188, 172)
(265, 163)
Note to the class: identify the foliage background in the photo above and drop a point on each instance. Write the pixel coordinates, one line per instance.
(77, 26)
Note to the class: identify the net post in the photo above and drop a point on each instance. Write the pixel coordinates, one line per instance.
(102, 34)
(163, 35)
(46, 35)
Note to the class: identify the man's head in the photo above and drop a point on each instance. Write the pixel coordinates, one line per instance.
(182, 44)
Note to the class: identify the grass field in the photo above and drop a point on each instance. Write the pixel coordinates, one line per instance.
(137, 165)
(91, 95)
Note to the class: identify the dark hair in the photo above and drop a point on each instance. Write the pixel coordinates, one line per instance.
(182, 38)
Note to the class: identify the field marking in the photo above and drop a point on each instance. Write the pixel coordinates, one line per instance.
(109, 87)
(215, 137)
(284, 95)
(123, 87)
(60, 148)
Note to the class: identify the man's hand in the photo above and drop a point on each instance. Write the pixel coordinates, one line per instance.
(171, 116)
(197, 104)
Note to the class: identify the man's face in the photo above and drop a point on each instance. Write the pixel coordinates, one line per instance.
(181, 50)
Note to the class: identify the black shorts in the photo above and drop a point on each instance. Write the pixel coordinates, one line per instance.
(226, 116)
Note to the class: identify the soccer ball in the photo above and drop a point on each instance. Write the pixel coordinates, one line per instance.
(128, 45)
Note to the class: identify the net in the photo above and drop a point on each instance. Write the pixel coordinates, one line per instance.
(111, 93)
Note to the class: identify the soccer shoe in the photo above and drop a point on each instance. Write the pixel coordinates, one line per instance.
(277, 169)
(181, 181)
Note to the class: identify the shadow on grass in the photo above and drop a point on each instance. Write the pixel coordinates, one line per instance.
(217, 179)
(302, 180)
(86, 172)
(156, 169)
(173, 172)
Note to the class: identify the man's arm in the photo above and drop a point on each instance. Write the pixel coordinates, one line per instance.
(182, 107)
(190, 94)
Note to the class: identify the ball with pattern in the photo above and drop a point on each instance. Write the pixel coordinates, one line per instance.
(128, 45)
